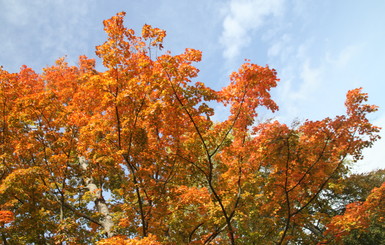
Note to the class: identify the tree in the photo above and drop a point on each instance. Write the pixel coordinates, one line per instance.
(362, 221)
(353, 188)
(332, 201)
(131, 154)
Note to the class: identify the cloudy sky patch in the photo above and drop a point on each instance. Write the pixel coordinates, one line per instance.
(241, 19)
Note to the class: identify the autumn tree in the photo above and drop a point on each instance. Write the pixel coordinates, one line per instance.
(131, 154)
(362, 219)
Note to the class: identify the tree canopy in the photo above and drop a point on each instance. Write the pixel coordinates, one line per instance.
(132, 155)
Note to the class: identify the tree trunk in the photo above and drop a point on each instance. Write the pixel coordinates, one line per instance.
(101, 206)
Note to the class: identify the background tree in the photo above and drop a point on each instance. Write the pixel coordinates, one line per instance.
(333, 199)
(361, 221)
(131, 153)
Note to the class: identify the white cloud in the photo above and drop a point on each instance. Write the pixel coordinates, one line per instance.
(38, 32)
(297, 90)
(241, 18)
(311, 78)
(345, 56)
(307, 78)
(14, 13)
(301, 78)
(280, 48)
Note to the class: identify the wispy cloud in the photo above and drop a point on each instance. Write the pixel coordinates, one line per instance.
(38, 32)
(345, 56)
(309, 70)
(242, 17)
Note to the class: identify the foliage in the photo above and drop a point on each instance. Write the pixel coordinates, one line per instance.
(333, 200)
(362, 222)
(119, 240)
(131, 155)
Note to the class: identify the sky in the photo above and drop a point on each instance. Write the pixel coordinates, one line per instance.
(320, 49)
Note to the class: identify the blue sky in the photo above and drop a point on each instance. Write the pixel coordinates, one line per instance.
(320, 49)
